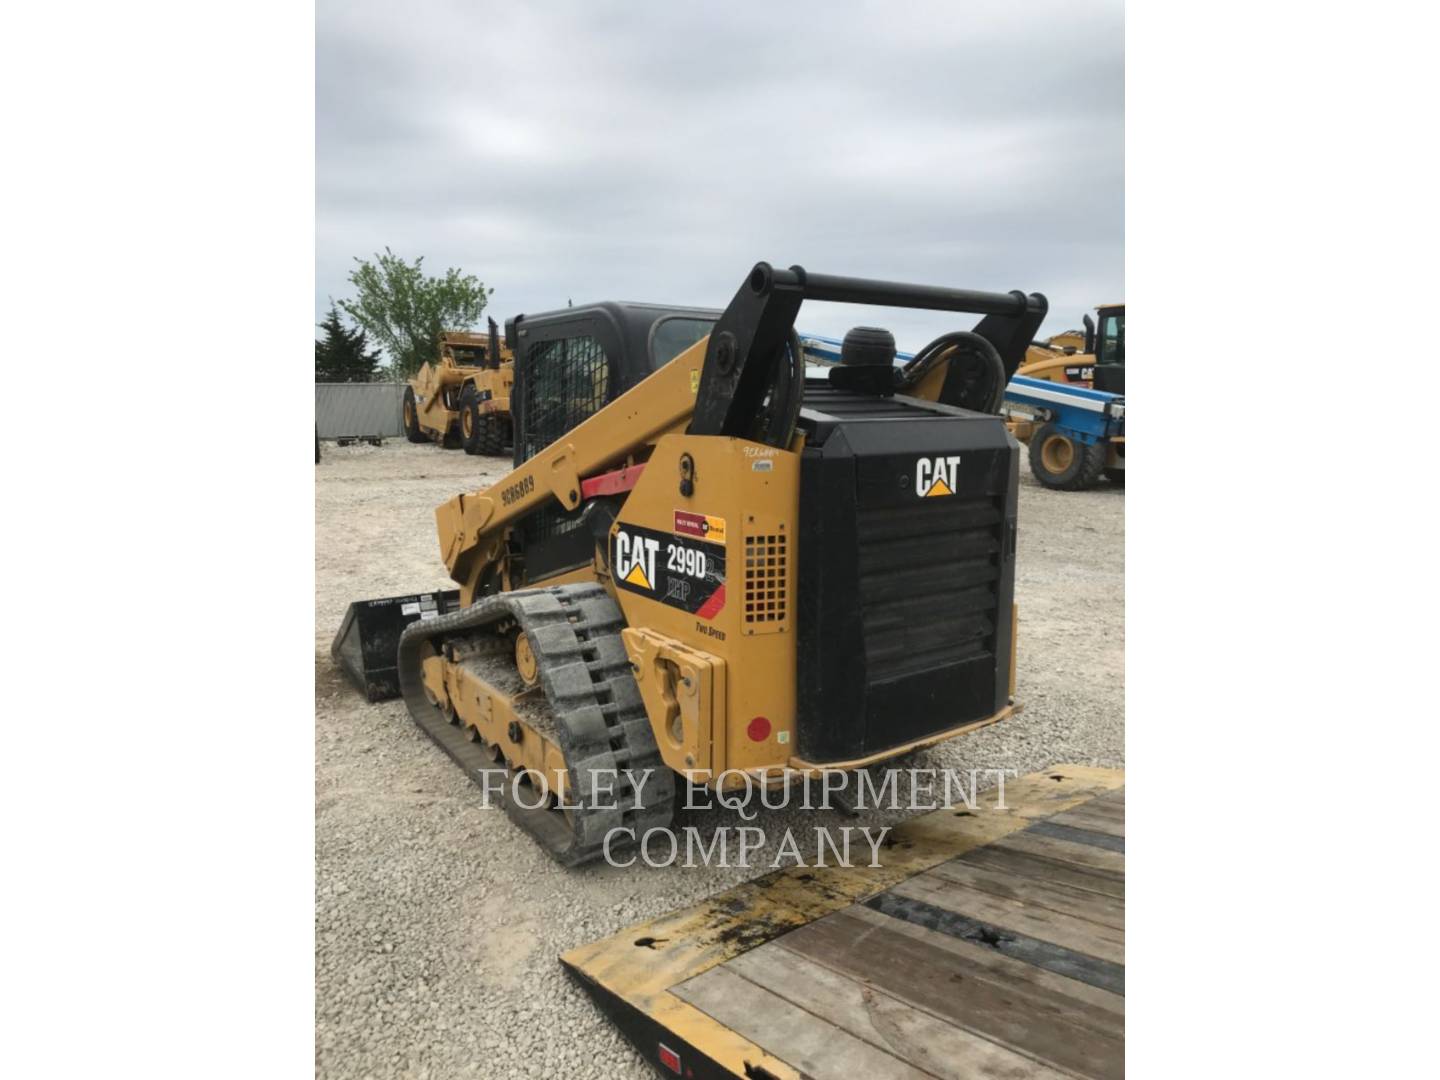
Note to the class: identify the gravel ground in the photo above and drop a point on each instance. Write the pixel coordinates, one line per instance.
(438, 923)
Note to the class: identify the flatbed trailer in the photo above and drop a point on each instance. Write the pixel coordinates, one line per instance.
(989, 942)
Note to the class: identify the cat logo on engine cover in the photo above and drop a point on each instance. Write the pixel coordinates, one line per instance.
(936, 476)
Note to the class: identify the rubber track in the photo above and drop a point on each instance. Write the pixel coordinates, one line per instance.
(600, 720)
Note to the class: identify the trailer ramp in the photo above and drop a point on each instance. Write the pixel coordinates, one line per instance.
(989, 943)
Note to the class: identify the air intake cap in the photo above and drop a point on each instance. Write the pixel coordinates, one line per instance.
(868, 345)
(867, 362)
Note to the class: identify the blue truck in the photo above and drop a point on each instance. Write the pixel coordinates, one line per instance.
(1075, 433)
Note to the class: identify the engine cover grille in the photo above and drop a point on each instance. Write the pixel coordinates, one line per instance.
(905, 576)
(928, 580)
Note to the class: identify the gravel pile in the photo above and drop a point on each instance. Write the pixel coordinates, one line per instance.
(438, 923)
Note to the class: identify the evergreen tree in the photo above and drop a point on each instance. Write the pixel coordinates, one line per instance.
(343, 355)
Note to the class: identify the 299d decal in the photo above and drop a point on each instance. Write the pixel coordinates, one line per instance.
(683, 572)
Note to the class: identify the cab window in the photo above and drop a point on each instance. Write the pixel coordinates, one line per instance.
(1112, 340)
(567, 382)
(673, 336)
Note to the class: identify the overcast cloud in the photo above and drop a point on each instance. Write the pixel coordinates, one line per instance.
(654, 150)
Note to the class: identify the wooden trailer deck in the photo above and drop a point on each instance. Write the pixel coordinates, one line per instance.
(990, 943)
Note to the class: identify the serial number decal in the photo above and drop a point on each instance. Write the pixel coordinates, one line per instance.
(685, 573)
(518, 490)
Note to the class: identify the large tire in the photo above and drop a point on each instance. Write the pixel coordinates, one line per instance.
(481, 432)
(1063, 464)
(497, 434)
(411, 417)
(472, 423)
(1115, 476)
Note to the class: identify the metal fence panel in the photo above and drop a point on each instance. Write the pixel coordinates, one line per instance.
(359, 409)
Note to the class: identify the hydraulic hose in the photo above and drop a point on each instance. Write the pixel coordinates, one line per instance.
(982, 382)
(775, 426)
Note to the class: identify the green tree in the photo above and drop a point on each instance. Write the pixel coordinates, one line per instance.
(343, 355)
(405, 311)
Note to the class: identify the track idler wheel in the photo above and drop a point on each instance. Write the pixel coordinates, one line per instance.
(525, 662)
(615, 776)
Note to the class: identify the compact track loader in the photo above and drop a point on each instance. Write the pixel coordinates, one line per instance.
(463, 399)
(722, 569)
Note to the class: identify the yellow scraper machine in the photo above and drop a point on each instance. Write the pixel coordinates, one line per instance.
(704, 563)
(463, 398)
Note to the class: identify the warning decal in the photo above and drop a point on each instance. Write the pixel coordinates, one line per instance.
(685, 573)
(700, 525)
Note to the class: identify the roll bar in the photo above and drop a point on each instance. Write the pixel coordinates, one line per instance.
(852, 290)
(745, 361)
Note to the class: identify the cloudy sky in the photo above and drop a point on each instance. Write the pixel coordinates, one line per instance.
(649, 150)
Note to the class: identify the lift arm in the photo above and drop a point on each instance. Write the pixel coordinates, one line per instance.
(472, 526)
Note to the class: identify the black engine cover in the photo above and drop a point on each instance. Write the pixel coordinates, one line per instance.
(912, 505)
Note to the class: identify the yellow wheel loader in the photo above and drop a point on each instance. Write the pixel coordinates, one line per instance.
(1069, 450)
(1057, 359)
(463, 399)
(705, 564)
(1089, 357)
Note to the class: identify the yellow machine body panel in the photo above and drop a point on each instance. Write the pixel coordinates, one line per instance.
(1052, 366)
(714, 574)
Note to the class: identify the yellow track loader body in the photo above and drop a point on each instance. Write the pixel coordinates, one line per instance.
(462, 400)
(726, 570)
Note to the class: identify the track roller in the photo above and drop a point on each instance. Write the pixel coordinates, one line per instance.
(587, 703)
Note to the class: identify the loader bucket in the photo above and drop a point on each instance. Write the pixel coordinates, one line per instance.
(369, 634)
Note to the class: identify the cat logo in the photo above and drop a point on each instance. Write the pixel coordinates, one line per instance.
(635, 559)
(936, 476)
